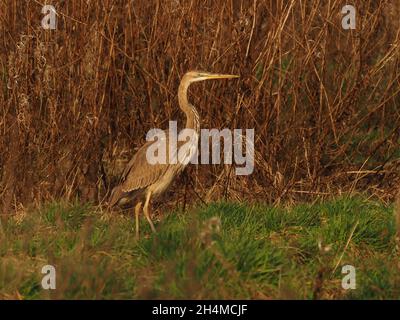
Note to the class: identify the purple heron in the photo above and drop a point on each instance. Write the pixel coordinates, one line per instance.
(141, 181)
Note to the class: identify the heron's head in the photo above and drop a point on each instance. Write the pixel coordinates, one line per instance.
(194, 76)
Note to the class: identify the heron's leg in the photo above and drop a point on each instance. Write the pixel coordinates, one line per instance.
(146, 211)
(137, 212)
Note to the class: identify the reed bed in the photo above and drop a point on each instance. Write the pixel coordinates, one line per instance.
(76, 102)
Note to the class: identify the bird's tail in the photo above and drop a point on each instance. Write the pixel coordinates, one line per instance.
(115, 196)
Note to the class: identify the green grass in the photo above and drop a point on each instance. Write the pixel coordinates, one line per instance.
(224, 250)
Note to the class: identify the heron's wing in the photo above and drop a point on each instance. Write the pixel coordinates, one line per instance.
(139, 173)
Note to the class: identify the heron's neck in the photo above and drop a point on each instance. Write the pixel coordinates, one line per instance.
(192, 116)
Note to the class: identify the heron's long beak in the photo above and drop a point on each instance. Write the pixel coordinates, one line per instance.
(221, 76)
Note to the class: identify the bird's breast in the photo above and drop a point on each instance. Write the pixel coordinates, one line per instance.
(165, 181)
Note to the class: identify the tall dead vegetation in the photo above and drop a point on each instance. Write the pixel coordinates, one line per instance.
(77, 101)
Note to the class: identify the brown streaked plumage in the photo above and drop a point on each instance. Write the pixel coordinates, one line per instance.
(142, 181)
